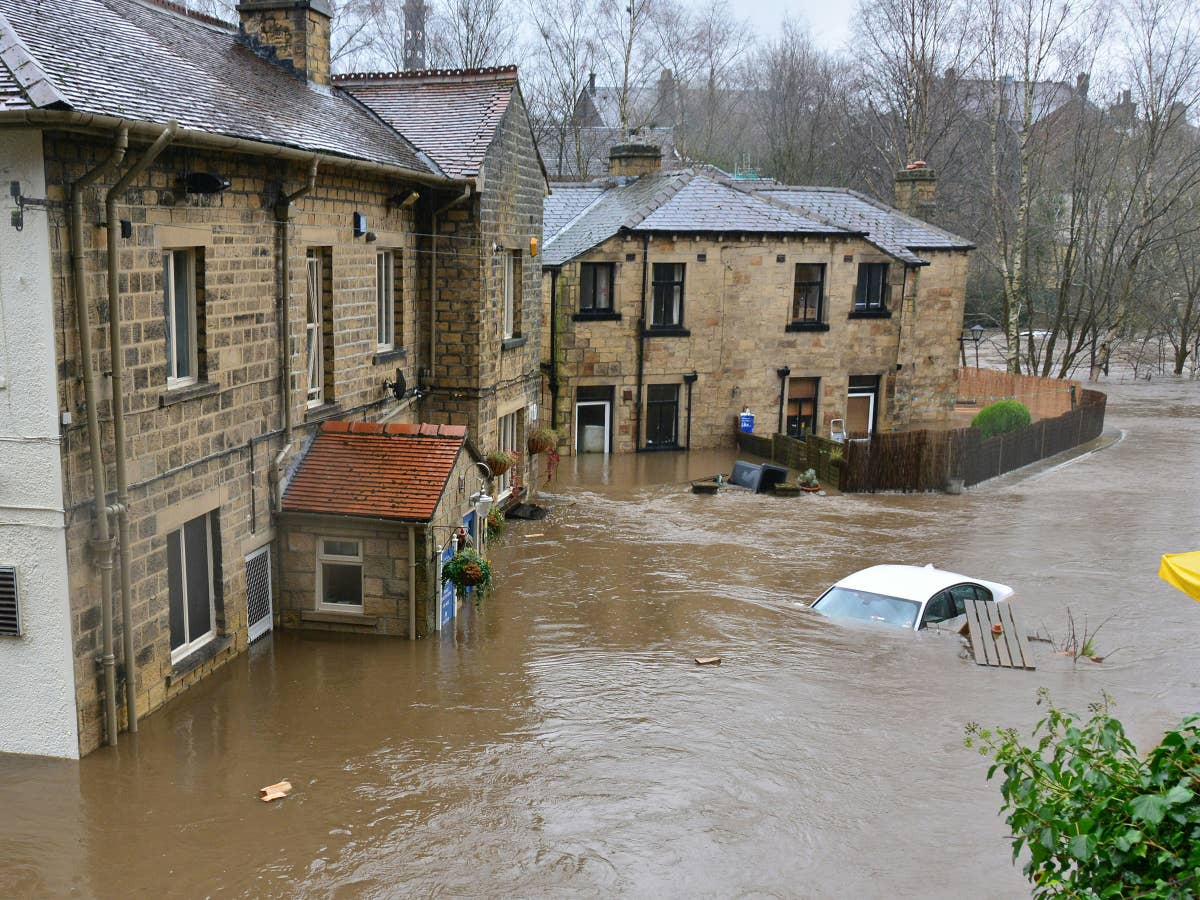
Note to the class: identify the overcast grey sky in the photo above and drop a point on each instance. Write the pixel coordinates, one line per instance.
(828, 20)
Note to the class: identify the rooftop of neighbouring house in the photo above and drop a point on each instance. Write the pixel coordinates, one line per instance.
(579, 216)
(450, 114)
(154, 61)
(376, 470)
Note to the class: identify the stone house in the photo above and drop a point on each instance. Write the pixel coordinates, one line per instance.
(357, 517)
(475, 126)
(210, 250)
(678, 299)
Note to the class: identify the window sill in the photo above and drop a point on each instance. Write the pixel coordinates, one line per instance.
(177, 395)
(514, 342)
(387, 356)
(667, 331)
(329, 617)
(870, 314)
(322, 412)
(597, 317)
(807, 326)
(198, 657)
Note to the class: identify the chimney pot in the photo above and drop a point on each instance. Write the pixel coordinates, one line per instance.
(592, 83)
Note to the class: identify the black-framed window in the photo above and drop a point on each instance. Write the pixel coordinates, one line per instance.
(662, 415)
(666, 310)
(596, 287)
(871, 294)
(808, 293)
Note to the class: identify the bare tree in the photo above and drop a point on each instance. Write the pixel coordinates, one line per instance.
(1029, 38)
(563, 59)
(470, 34)
(625, 53)
(1164, 159)
(800, 101)
(698, 95)
(913, 51)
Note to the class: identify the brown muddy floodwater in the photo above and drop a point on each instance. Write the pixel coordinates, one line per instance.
(563, 742)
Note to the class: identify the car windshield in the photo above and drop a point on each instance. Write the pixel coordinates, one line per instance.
(849, 603)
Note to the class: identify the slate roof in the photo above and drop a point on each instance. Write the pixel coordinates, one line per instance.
(375, 470)
(153, 62)
(684, 201)
(577, 217)
(450, 114)
(888, 229)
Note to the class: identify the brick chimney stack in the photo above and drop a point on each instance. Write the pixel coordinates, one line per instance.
(916, 191)
(635, 160)
(292, 33)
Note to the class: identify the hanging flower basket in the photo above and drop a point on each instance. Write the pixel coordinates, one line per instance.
(542, 440)
(467, 569)
(501, 461)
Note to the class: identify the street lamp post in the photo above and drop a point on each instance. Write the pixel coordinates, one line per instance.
(482, 501)
(977, 336)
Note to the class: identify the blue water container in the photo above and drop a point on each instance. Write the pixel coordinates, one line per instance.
(746, 422)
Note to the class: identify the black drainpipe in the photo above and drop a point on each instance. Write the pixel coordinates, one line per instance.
(783, 374)
(641, 349)
(689, 380)
(554, 348)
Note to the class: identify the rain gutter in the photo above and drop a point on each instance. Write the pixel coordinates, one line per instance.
(553, 374)
(283, 215)
(117, 362)
(412, 582)
(101, 541)
(641, 345)
(93, 123)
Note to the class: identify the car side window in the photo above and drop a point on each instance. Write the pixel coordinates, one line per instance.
(965, 593)
(939, 609)
(982, 593)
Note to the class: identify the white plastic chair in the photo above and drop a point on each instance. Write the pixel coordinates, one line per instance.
(837, 431)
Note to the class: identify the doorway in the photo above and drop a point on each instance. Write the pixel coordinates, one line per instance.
(593, 419)
(860, 405)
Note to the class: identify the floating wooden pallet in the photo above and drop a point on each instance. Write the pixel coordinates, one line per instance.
(1004, 648)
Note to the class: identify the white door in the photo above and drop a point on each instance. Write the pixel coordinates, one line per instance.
(592, 426)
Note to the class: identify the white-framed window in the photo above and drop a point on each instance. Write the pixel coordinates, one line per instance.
(506, 441)
(385, 300)
(190, 586)
(314, 322)
(512, 293)
(179, 288)
(339, 574)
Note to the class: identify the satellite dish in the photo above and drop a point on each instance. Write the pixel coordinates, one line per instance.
(399, 387)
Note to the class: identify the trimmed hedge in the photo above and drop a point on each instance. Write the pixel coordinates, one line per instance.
(1001, 417)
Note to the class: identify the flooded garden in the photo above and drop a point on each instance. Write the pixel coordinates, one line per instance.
(562, 740)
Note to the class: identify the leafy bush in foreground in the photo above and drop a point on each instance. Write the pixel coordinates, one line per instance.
(1096, 819)
(1000, 417)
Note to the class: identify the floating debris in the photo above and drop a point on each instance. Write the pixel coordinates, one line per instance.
(276, 791)
(708, 660)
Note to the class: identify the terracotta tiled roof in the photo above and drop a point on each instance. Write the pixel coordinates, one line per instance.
(151, 62)
(374, 470)
(450, 114)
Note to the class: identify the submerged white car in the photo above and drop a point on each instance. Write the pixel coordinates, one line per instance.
(908, 596)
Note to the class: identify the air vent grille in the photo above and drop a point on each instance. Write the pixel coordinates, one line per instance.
(10, 613)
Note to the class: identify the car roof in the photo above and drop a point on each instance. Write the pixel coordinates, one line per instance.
(917, 583)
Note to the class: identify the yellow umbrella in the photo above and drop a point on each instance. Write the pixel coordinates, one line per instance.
(1182, 570)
